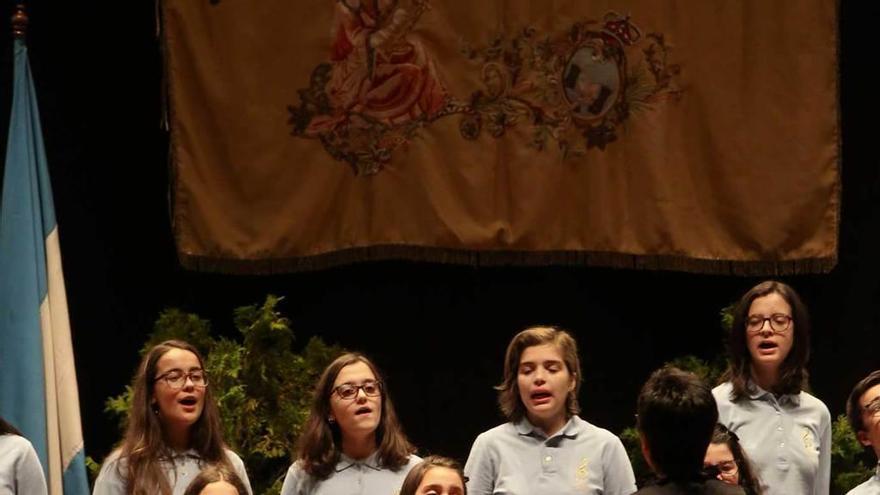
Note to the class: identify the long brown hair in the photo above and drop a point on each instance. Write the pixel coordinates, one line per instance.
(319, 445)
(143, 447)
(748, 479)
(792, 373)
(508, 392)
(417, 473)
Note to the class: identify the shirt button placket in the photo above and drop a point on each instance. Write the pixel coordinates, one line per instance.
(780, 434)
(547, 460)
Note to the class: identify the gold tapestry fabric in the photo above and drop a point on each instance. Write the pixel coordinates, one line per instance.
(671, 134)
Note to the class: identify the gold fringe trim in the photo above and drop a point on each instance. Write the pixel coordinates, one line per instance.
(507, 258)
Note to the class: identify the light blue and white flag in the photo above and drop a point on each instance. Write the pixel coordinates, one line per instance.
(38, 390)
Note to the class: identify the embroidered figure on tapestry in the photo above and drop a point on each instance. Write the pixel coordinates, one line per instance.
(574, 89)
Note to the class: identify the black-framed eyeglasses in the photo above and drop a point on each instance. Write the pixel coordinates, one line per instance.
(727, 469)
(176, 379)
(348, 391)
(779, 323)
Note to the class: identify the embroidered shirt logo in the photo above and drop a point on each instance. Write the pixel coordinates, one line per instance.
(582, 471)
(807, 436)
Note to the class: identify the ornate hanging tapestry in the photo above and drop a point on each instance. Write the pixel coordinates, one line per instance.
(686, 135)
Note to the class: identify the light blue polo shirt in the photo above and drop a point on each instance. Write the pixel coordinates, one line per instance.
(180, 470)
(518, 459)
(787, 438)
(350, 477)
(870, 487)
(20, 470)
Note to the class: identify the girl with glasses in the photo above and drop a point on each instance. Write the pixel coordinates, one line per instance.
(173, 428)
(785, 431)
(20, 469)
(352, 442)
(726, 457)
(545, 447)
(863, 413)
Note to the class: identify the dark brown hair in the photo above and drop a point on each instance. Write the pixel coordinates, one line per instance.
(748, 479)
(417, 473)
(319, 445)
(143, 446)
(212, 474)
(508, 392)
(677, 415)
(8, 429)
(853, 405)
(792, 373)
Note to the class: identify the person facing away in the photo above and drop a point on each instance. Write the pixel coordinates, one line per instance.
(676, 417)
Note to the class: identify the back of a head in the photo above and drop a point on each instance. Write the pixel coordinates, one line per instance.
(677, 415)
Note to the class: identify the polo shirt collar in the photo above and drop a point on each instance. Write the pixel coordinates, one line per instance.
(572, 428)
(756, 392)
(345, 462)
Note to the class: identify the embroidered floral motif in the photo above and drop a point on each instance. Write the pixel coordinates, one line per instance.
(574, 88)
(377, 90)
